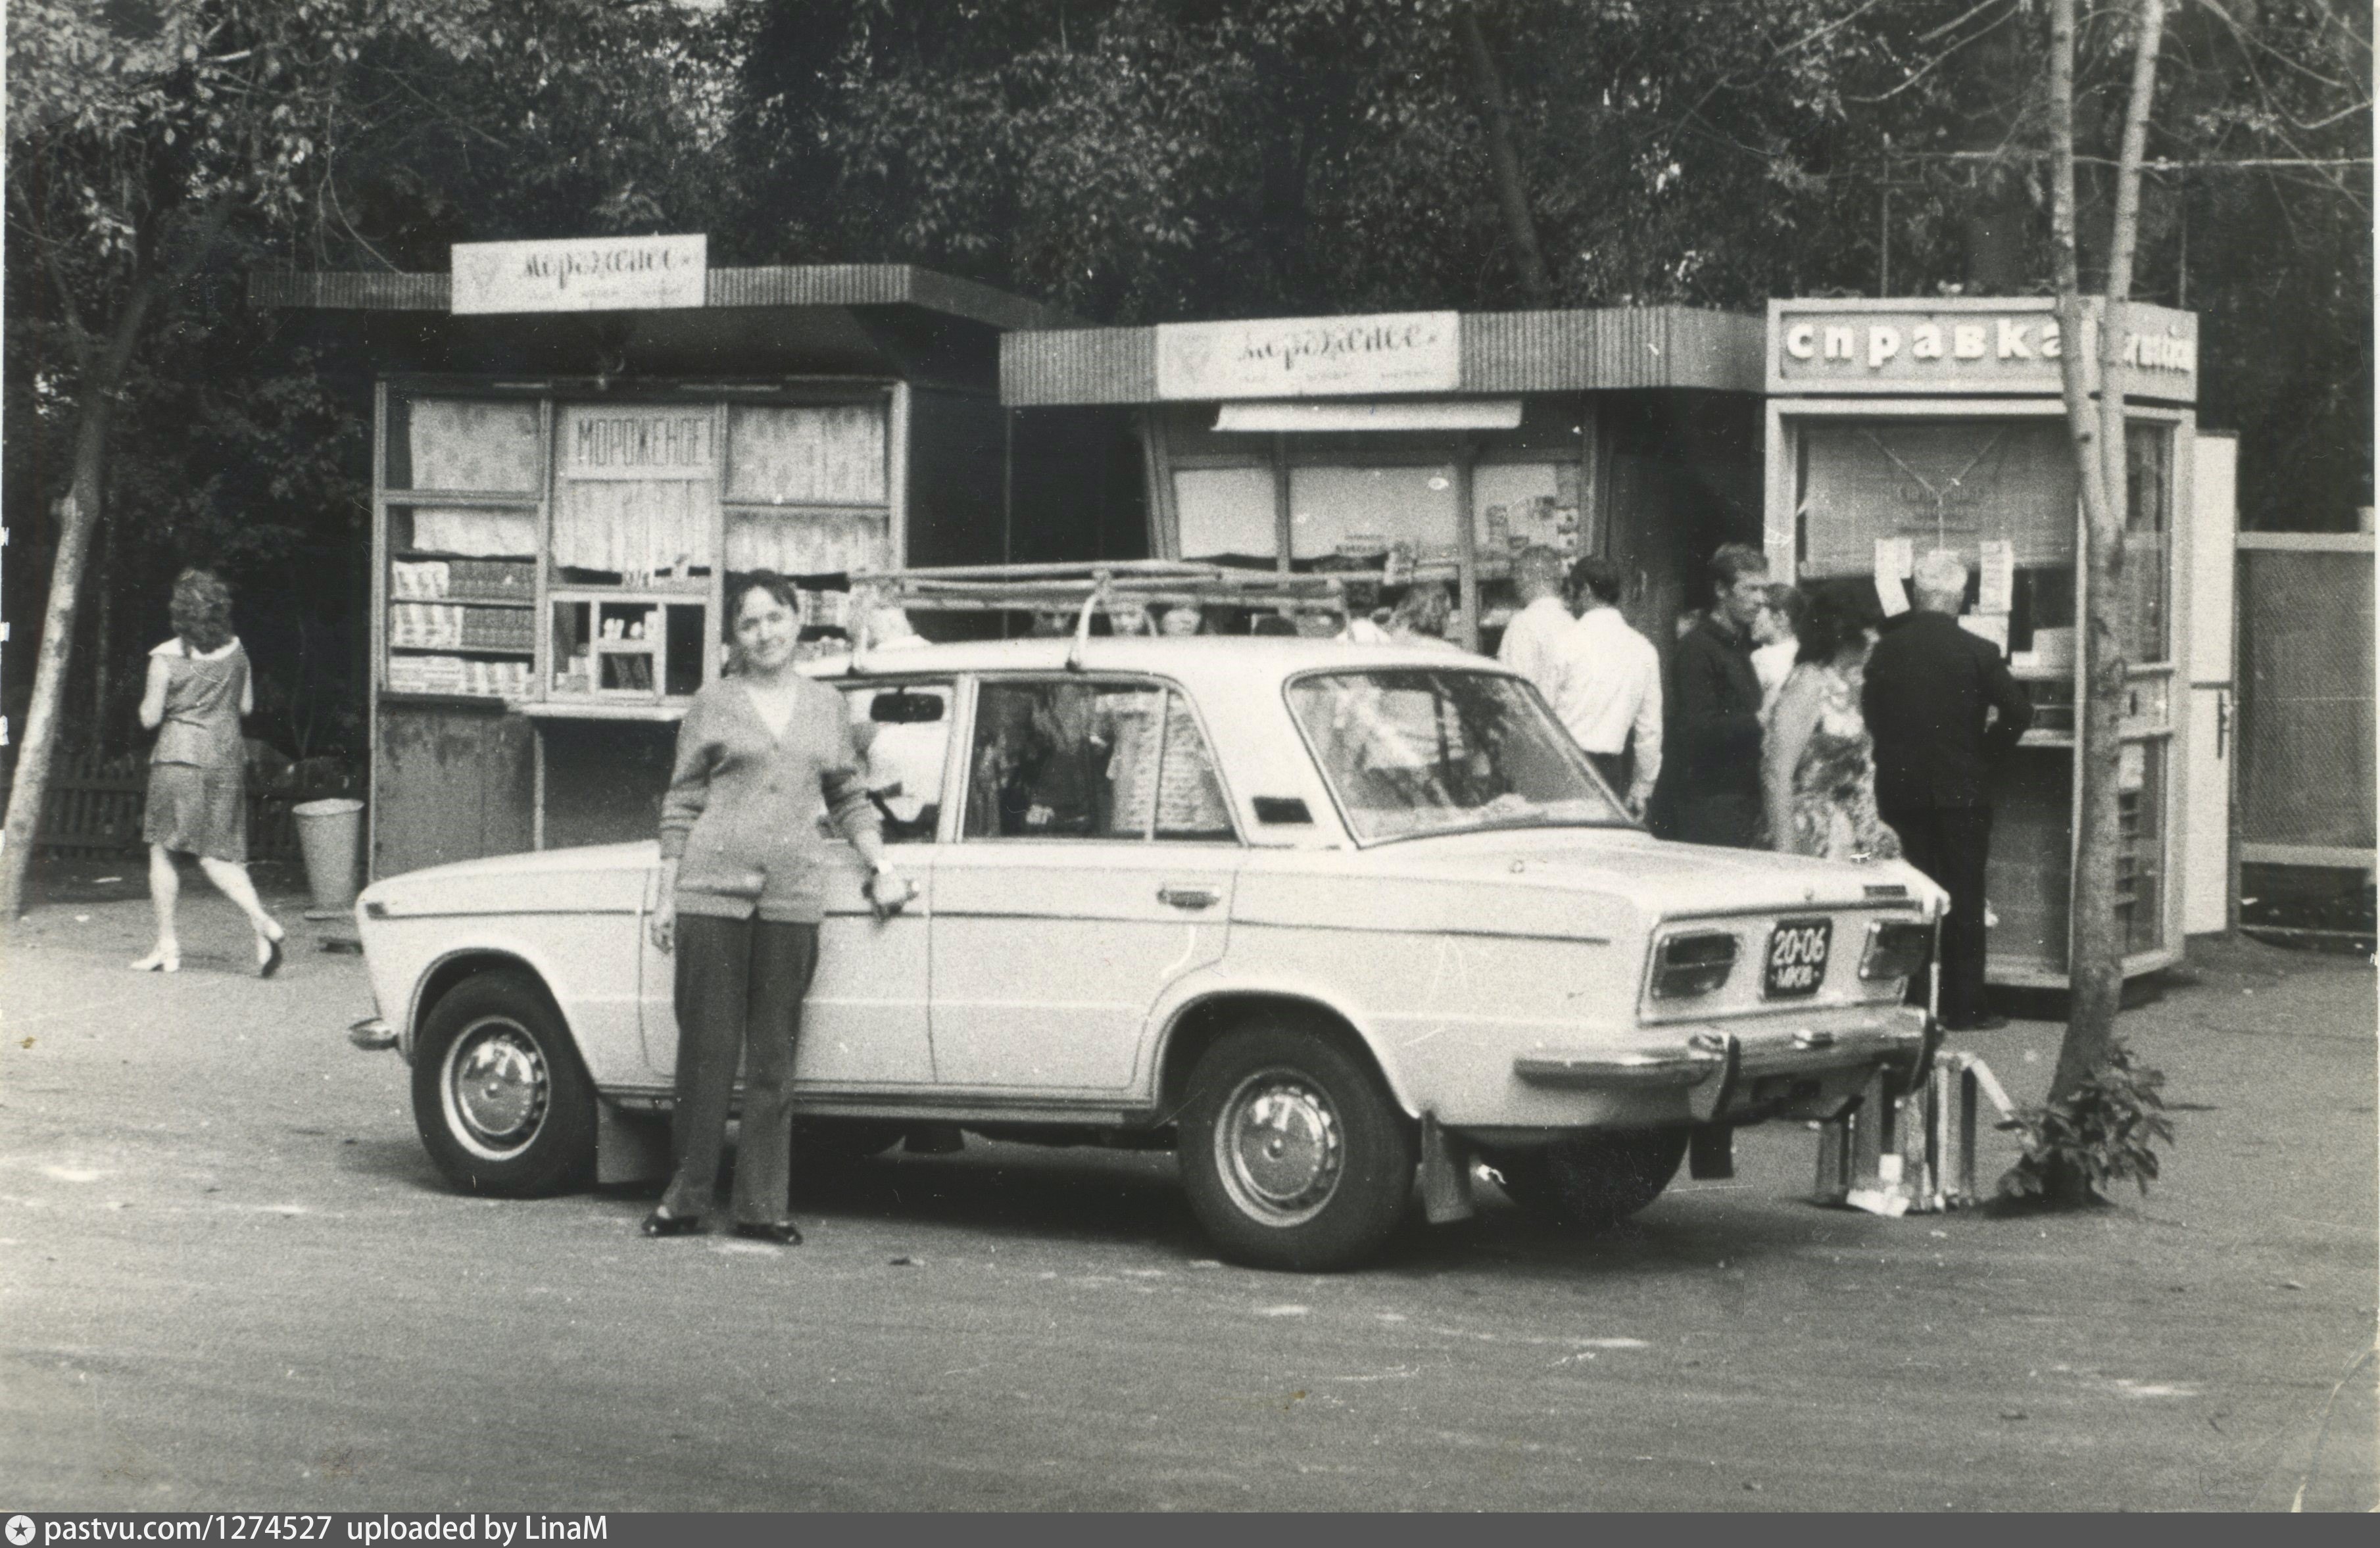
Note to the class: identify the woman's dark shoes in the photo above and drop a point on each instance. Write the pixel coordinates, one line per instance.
(661, 1222)
(785, 1233)
(270, 964)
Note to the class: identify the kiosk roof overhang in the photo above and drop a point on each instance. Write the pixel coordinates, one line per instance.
(815, 284)
(1603, 349)
(880, 319)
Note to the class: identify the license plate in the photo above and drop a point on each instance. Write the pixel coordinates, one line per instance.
(1797, 958)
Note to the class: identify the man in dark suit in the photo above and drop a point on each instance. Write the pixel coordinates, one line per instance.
(1943, 709)
(1709, 792)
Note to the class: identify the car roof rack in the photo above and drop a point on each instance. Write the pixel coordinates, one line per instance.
(1085, 589)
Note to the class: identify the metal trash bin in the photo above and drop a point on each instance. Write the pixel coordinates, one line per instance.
(331, 834)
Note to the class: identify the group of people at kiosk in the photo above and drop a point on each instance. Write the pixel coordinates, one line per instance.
(1795, 719)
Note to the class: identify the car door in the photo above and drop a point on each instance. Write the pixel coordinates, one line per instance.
(1095, 866)
(865, 1022)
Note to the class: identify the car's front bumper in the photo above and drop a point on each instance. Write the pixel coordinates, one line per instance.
(1730, 1073)
(372, 1035)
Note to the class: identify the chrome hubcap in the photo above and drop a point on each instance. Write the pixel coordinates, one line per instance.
(496, 1087)
(1280, 1147)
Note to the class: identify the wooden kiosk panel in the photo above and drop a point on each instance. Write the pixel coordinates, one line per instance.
(453, 780)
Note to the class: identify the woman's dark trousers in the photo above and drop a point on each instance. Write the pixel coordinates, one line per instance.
(740, 983)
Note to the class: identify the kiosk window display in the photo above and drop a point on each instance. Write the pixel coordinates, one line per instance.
(1899, 426)
(616, 524)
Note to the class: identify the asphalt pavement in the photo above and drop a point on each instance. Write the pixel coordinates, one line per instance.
(230, 1279)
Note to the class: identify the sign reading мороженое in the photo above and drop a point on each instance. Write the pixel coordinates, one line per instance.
(1981, 346)
(579, 275)
(1290, 358)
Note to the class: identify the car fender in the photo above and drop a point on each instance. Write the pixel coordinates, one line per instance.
(1205, 988)
(602, 1027)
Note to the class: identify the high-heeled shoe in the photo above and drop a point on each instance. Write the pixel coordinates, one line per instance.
(272, 962)
(159, 961)
(661, 1222)
(785, 1233)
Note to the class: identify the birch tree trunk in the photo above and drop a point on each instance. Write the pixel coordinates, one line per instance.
(2097, 429)
(78, 514)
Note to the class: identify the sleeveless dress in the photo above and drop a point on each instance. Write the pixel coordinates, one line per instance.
(1834, 813)
(198, 797)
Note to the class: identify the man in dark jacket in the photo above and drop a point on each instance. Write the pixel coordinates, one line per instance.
(1943, 709)
(1709, 792)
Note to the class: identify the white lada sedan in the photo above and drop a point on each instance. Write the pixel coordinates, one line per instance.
(1318, 917)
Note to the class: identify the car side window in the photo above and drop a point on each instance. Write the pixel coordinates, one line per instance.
(903, 731)
(1086, 759)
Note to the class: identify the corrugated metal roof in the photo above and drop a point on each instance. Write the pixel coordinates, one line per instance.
(1606, 348)
(819, 284)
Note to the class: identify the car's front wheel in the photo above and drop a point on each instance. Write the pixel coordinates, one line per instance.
(501, 1101)
(1293, 1152)
(1592, 1181)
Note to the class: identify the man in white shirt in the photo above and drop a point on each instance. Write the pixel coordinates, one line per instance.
(1611, 688)
(1536, 642)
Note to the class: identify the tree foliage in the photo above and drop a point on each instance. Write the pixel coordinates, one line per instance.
(1135, 159)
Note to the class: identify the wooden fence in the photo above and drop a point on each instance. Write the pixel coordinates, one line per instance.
(94, 807)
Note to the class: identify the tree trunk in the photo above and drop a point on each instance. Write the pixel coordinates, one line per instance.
(2096, 962)
(1511, 193)
(78, 514)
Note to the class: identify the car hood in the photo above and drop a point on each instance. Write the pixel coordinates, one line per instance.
(595, 879)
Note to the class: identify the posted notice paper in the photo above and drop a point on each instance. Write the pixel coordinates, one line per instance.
(1996, 586)
(1895, 558)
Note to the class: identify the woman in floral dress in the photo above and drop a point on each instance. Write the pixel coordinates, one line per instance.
(1818, 764)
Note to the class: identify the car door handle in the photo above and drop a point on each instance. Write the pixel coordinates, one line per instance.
(1189, 897)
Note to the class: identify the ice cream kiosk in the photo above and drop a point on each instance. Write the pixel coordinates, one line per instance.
(577, 444)
(1898, 425)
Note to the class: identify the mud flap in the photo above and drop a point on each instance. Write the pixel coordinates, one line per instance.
(630, 1147)
(1445, 1174)
(1710, 1154)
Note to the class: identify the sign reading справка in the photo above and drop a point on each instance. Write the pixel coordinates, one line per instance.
(1304, 356)
(579, 275)
(1984, 346)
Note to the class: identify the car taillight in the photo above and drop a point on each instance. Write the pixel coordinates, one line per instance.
(1895, 949)
(1692, 964)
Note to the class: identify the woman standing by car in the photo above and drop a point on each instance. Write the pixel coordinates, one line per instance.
(198, 688)
(1817, 762)
(742, 894)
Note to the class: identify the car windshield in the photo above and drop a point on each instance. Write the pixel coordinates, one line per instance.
(1420, 750)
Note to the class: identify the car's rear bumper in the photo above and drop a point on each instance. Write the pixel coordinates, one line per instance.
(372, 1035)
(1721, 1073)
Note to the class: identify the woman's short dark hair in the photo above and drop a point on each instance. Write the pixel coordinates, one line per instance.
(779, 588)
(1833, 617)
(1793, 603)
(201, 609)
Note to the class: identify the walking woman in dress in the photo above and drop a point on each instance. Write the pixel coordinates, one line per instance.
(742, 892)
(1817, 763)
(197, 690)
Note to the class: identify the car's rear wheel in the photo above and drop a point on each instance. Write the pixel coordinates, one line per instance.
(1592, 1181)
(1293, 1152)
(503, 1103)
